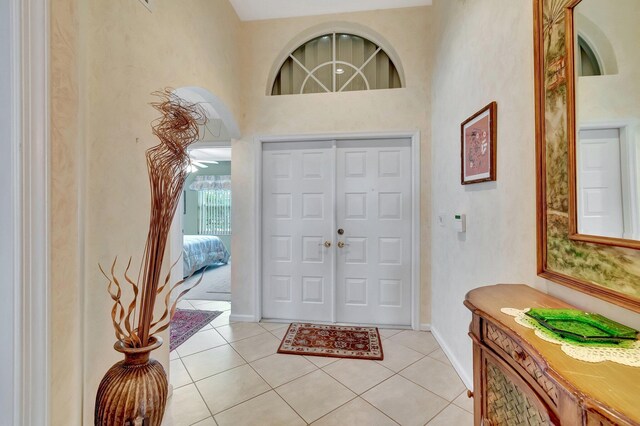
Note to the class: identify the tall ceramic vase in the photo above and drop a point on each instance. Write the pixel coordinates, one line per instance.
(134, 391)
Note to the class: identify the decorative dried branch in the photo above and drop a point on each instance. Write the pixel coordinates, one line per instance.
(171, 311)
(115, 291)
(167, 163)
(132, 307)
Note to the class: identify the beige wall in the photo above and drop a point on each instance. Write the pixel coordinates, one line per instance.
(615, 96)
(485, 52)
(66, 233)
(406, 30)
(103, 124)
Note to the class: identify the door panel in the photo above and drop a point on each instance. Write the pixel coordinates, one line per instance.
(297, 218)
(600, 183)
(373, 206)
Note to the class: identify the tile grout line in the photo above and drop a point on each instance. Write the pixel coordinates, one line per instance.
(223, 344)
(249, 362)
(388, 378)
(241, 365)
(204, 350)
(205, 404)
(377, 409)
(188, 374)
(428, 390)
(438, 413)
(338, 358)
(287, 382)
(393, 373)
(204, 401)
(212, 327)
(215, 374)
(359, 395)
(462, 408)
(200, 331)
(240, 403)
(316, 368)
(337, 408)
(244, 338)
(246, 363)
(398, 374)
(289, 405)
(276, 392)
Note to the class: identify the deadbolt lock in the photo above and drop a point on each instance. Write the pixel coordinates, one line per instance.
(340, 231)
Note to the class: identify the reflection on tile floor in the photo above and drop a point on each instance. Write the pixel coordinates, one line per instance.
(230, 374)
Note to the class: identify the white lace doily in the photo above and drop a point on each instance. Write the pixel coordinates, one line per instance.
(629, 355)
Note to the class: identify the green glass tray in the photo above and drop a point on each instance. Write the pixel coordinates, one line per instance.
(582, 326)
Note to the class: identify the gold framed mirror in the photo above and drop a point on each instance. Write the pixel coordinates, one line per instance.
(603, 130)
(602, 266)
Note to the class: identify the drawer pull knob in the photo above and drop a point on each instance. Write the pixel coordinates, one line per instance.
(518, 355)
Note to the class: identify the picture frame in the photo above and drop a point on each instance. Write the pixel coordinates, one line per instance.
(557, 251)
(478, 146)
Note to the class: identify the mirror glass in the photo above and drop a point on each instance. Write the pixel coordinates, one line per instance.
(606, 46)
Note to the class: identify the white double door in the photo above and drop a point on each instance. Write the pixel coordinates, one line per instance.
(336, 231)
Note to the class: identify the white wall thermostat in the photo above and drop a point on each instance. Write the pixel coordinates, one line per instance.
(460, 223)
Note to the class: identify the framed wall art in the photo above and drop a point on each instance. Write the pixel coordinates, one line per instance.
(478, 146)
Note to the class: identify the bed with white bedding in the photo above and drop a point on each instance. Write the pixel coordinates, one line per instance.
(199, 251)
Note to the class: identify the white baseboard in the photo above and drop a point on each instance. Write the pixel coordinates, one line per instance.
(464, 375)
(242, 318)
(425, 327)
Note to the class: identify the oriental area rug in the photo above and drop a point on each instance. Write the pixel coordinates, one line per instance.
(332, 341)
(186, 322)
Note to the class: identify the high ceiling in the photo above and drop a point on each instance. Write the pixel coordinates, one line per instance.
(251, 10)
(211, 154)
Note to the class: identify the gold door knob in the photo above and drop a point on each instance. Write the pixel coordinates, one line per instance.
(327, 244)
(341, 244)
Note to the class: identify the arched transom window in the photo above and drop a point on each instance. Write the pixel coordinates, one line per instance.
(336, 62)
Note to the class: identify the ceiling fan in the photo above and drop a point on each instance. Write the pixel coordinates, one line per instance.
(195, 165)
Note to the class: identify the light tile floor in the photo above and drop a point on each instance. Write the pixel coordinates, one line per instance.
(230, 374)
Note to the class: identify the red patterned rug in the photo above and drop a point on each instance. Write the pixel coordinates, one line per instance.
(333, 341)
(186, 322)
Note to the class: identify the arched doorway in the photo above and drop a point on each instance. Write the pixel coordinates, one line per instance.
(201, 230)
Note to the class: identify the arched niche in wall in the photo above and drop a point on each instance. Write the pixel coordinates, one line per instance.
(598, 43)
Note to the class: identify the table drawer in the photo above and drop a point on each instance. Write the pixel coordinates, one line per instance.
(514, 353)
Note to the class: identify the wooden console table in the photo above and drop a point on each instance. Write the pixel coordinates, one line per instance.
(519, 379)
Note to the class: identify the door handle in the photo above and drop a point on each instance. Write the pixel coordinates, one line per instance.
(327, 244)
(341, 244)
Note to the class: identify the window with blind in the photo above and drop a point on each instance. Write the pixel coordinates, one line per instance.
(336, 62)
(214, 212)
(214, 204)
